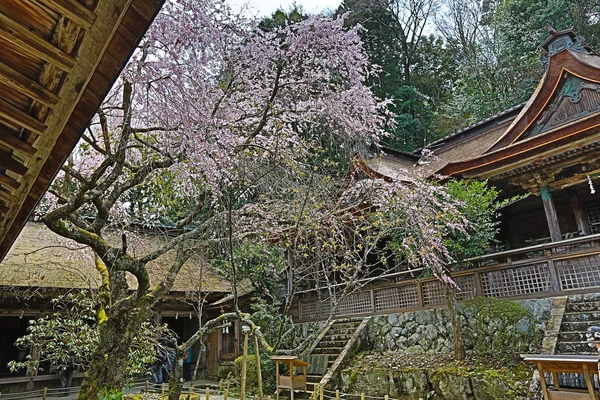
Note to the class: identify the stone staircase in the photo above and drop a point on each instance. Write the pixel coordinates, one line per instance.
(328, 349)
(581, 312)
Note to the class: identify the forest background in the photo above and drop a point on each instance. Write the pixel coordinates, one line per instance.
(450, 63)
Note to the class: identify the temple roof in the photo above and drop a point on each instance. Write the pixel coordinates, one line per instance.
(42, 259)
(561, 118)
(58, 60)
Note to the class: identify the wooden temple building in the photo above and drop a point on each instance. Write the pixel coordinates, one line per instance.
(548, 148)
(58, 60)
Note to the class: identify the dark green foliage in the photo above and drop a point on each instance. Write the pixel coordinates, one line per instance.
(281, 18)
(267, 367)
(482, 58)
(480, 205)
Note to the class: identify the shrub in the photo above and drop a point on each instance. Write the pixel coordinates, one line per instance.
(267, 367)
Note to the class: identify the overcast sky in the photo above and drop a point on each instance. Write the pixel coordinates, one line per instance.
(266, 7)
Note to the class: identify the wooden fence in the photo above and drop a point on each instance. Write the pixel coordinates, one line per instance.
(552, 269)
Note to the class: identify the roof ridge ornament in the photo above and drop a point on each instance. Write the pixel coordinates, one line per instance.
(561, 40)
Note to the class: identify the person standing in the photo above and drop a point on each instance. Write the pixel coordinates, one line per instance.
(187, 364)
(66, 377)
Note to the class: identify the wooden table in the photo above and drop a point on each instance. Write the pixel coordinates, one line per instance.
(292, 382)
(554, 364)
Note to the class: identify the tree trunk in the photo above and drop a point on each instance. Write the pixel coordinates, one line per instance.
(176, 375)
(459, 346)
(108, 367)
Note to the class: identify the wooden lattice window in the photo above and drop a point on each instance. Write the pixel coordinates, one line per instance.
(516, 281)
(356, 303)
(434, 292)
(579, 273)
(396, 298)
(467, 289)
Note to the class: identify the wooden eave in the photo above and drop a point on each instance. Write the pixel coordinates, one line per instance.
(58, 60)
(511, 150)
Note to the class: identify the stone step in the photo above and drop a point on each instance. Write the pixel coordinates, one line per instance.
(327, 350)
(341, 331)
(592, 317)
(583, 306)
(578, 326)
(336, 338)
(583, 298)
(333, 343)
(572, 336)
(346, 324)
(574, 348)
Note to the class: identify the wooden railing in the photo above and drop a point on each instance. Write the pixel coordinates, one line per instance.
(550, 269)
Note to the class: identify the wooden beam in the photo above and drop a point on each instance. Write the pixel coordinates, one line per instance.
(3, 208)
(33, 44)
(7, 197)
(8, 181)
(28, 87)
(7, 162)
(13, 142)
(12, 114)
(550, 211)
(73, 10)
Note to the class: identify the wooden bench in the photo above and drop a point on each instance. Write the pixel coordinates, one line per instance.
(576, 364)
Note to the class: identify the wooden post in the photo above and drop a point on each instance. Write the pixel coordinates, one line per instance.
(589, 382)
(478, 285)
(582, 223)
(421, 298)
(543, 381)
(321, 394)
(221, 385)
(258, 371)
(386, 397)
(337, 394)
(226, 393)
(207, 393)
(555, 379)
(244, 362)
(292, 381)
(362, 396)
(555, 282)
(550, 211)
(146, 385)
(277, 379)
(373, 302)
(162, 389)
(45, 393)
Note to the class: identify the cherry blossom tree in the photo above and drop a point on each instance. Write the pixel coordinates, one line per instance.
(206, 94)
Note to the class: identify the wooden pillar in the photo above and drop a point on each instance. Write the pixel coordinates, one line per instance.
(582, 223)
(550, 211)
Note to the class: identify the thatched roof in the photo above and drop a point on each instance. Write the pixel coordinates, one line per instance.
(40, 258)
(58, 60)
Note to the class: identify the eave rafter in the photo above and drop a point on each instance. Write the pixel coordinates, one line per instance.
(58, 59)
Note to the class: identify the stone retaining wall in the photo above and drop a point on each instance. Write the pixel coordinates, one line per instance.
(431, 330)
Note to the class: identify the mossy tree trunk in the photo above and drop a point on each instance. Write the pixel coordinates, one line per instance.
(459, 346)
(176, 375)
(108, 367)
